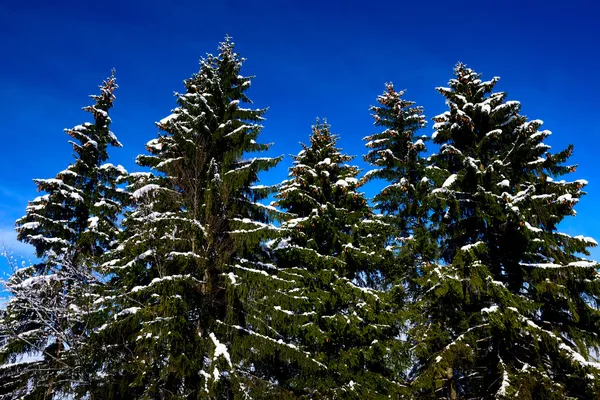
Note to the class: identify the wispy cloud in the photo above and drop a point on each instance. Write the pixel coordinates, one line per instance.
(13, 194)
(9, 242)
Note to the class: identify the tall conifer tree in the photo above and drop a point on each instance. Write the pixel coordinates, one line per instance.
(332, 304)
(511, 310)
(70, 227)
(175, 316)
(396, 152)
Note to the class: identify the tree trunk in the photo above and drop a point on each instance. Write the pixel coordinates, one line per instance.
(452, 389)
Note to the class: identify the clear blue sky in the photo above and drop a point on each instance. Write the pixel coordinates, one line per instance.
(326, 58)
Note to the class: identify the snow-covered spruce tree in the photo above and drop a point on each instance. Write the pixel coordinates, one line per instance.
(511, 310)
(175, 313)
(70, 226)
(332, 305)
(396, 152)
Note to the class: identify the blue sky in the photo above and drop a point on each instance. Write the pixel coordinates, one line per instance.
(326, 58)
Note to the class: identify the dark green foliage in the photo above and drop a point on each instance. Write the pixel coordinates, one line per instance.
(70, 227)
(396, 152)
(511, 310)
(331, 302)
(173, 312)
(460, 287)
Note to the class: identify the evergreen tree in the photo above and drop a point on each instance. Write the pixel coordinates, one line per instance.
(70, 226)
(396, 152)
(12, 374)
(511, 309)
(175, 317)
(332, 304)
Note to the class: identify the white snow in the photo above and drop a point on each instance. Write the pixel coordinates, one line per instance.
(76, 196)
(538, 161)
(167, 119)
(494, 132)
(588, 240)
(288, 312)
(93, 222)
(371, 172)
(575, 356)
(583, 264)
(505, 383)
(490, 309)
(143, 191)
(29, 225)
(566, 198)
(27, 283)
(470, 246)
(541, 265)
(232, 277)
(448, 182)
(128, 311)
(207, 376)
(154, 144)
(165, 278)
(119, 168)
(532, 228)
(239, 129)
(220, 350)
(370, 291)
(82, 127)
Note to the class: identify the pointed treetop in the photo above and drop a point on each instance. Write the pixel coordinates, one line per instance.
(226, 50)
(321, 133)
(106, 97)
(394, 111)
(469, 82)
(94, 137)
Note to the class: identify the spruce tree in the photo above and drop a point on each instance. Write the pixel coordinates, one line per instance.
(175, 317)
(396, 152)
(70, 226)
(511, 309)
(332, 304)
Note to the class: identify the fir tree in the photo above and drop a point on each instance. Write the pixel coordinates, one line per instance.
(70, 227)
(511, 310)
(332, 305)
(175, 317)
